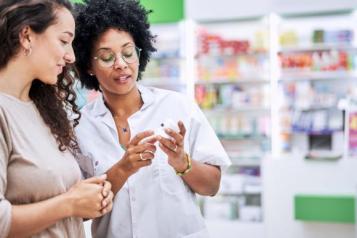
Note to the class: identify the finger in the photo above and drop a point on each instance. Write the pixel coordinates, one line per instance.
(96, 214)
(109, 206)
(169, 144)
(107, 186)
(176, 136)
(107, 200)
(141, 148)
(97, 180)
(147, 155)
(182, 128)
(167, 150)
(140, 136)
(144, 163)
(150, 139)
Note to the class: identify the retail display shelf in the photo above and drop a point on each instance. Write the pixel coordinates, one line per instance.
(246, 154)
(166, 57)
(247, 162)
(245, 108)
(243, 193)
(316, 107)
(241, 136)
(315, 132)
(301, 74)
(242, 80)
(162, 81)
(242, 53)
(318, 47)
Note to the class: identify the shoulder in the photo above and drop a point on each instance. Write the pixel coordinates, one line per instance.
(89, 114)
(89, 108)
(165, 96)
(4, 110)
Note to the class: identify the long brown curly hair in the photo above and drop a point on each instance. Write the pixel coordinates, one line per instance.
(56, 103)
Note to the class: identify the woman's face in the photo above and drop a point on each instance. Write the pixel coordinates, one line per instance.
(115, 62)
(52, 50)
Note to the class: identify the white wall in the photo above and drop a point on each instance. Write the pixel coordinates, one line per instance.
(225, 9)
(305, 6)
(288, 176)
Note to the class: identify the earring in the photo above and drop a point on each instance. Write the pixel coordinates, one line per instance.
(91, 74)
(28, 51)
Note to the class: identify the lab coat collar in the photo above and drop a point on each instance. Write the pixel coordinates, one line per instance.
(147, 96)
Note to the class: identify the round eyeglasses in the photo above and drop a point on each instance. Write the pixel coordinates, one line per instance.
(107, 57)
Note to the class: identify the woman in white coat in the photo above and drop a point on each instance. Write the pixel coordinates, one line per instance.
(155, 178)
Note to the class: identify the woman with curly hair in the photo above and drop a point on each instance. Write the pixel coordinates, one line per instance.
(154, 178)
(41, 194)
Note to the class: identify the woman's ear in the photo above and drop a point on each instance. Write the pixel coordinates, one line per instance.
(25, 37)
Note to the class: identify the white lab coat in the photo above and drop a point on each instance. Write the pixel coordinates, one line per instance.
(154, 202)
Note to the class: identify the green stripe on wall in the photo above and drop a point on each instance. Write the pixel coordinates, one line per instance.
(164, 11)
(325, 208)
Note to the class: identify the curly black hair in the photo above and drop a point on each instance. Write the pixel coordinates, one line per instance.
(52, 101)
(95, 17)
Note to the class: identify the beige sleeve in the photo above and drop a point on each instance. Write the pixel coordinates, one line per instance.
(5, 148)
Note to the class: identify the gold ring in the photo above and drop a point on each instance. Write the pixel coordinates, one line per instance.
(141, 156)
(146, 151)
(149, 151)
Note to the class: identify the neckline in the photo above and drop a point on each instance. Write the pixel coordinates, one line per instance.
(17, 100)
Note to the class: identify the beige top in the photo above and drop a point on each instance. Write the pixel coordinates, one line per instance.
(32, 168)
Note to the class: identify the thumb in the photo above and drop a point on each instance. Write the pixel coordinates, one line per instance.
(97, 180)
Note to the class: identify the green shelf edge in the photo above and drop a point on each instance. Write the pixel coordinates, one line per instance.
(324, 208)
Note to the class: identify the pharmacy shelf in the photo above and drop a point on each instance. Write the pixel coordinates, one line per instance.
(241, 136)
(162, 81)
(245, 108)
(243, 80)
(317, 47)
(241, 194)
(234, 55)
(246, 162)
(301, 75)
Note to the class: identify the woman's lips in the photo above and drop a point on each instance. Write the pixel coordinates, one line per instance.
(122, 79)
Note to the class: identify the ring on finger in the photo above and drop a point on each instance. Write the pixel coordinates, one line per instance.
(149, 151)
(145, 151)
(175, 149)
(141, 156)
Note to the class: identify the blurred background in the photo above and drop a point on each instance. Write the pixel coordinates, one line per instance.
(277, 80)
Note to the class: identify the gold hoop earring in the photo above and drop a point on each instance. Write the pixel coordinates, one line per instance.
(28, 51)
